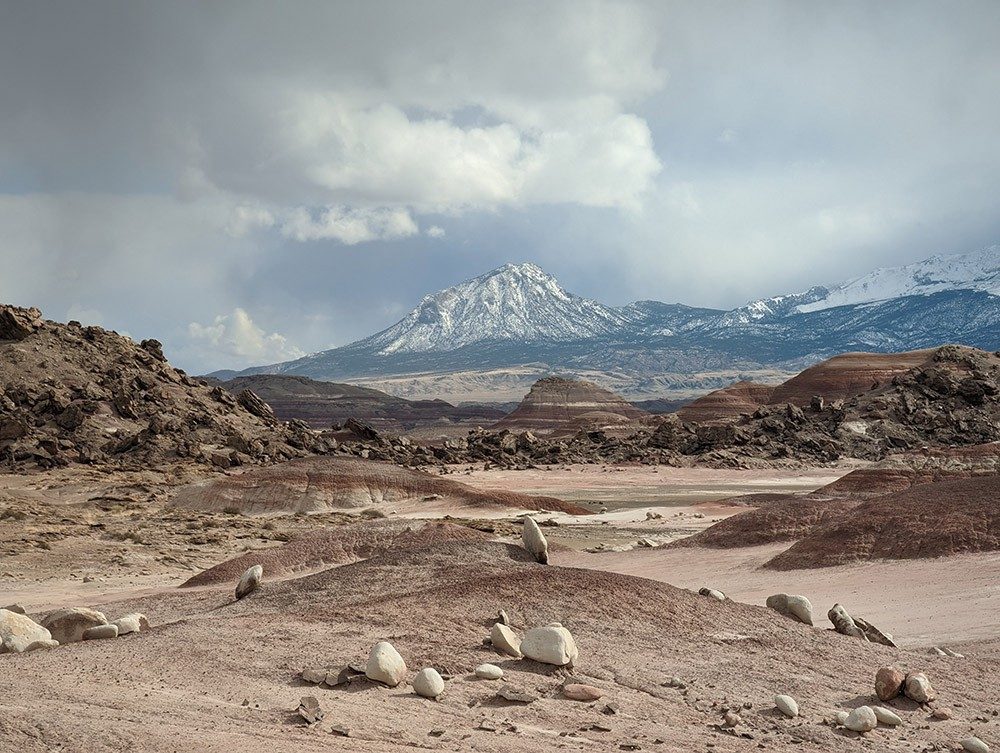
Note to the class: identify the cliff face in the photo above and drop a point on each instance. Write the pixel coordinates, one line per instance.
(559, 405)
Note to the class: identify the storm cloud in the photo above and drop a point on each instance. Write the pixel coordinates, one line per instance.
(249, 181)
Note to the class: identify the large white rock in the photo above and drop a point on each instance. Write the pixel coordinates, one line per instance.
(534, 540)
(385, 664)
(791, 605)
(861, 719)
(249, 581)
(489, 672)
(918, 688)
(134, 622)
(552, 644)
(428, 683)
(17, 632)
(506, 640)
(99, 632)
(787, 705)
(69, 625)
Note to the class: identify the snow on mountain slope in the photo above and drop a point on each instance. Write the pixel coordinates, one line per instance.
(979, 270)
(517, 302)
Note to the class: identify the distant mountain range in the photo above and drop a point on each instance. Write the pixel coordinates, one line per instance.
(519, 317)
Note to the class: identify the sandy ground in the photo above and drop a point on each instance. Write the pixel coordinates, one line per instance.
(217, 676)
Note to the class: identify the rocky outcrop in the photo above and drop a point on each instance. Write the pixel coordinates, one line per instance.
(71, 624)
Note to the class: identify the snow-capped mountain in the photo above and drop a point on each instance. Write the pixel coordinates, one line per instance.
(517, 302)
(979, 270)
(518, 315)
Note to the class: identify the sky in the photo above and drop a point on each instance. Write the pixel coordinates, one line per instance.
(251, 181)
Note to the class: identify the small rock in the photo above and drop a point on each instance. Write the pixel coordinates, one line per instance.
(731, 719)
(502, 617)
(552, 644)
(489, 672)
(861, 719)
(505, 640)
(941, 713)
(952, 653)
(935, 651)
(41, 644)
(385, 665)
(249, 581)
(99, 632)
(918, 688)
(841, 718)
(712, 593)
(309, 710)
(787, 705)
(428, 683)
(314, 676)
(797, 607)
(887, 716)
(975, 745)
(843, 623)
(581, 692)
(534, 541)
(889, 683)
(517, 695)
(135, 622)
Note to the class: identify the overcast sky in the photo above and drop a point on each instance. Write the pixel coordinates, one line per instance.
(250, 181)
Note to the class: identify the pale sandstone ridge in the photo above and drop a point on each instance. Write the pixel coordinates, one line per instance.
(556, 405)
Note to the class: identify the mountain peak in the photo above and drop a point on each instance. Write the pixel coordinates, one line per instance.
(514, 302)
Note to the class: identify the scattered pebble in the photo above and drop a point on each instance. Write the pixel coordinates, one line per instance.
(489, 672)
(581, 692)
(787, 705)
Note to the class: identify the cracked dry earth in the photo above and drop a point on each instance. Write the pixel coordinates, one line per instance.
(218, 675)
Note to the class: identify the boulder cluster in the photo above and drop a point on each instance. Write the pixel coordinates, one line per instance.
(20, 634)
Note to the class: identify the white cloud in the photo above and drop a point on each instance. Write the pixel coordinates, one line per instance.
(436, 231)
(235, 339)
(349, 226)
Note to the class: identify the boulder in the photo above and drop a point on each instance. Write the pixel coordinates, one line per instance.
(134, 622)
(581, 692)
(309, 710)
(69, 625)
(712, 594)
(918, 688)
(841, 718)
(534, 541)
(975, 745)
(505, 640)
(887, 716)
(249, 581)
(552, 644)
(385, 665)
(99, 632)
(862, 719)
(793, 606)
(489, 672)
(428, 683)
(17, 632)
(843, 623)
(787, 705)
(313, 675)
(889, 683)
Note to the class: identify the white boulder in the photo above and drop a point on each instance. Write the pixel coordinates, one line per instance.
(428, 683)
(534, 541)
(385, 665)
(249, 581)
(99, 632)
(791, 605)
(506, 640)
(489, 672)
(17, 632)
(134, 622)
(975, 745)
(861, 719)
(552, 644)
(787, 705)
(887, 716)
(69, 625)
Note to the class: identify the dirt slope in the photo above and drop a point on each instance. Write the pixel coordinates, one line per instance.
(323, 484)
(558, 405)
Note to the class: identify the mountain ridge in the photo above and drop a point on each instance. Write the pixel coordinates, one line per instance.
(518, 314)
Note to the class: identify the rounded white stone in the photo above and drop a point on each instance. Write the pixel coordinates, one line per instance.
(787, 705)
(428, 683)
(489, 672)
(385, 664)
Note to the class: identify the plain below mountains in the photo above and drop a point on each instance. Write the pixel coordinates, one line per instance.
(493, 336)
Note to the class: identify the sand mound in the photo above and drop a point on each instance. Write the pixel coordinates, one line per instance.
(558, 405)
(326, 483)
(928, 520)
(729, 402)
(336, 546)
